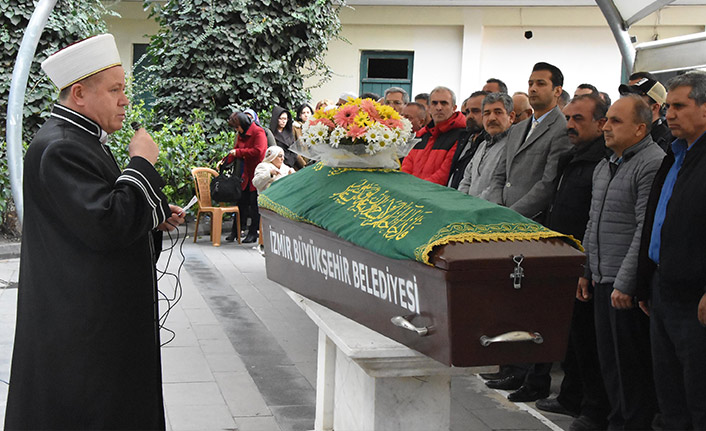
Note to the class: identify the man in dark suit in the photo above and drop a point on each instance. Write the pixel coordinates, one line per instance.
(525, 181)
(526, 177)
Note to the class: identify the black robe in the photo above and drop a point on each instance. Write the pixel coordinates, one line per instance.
(86, 352)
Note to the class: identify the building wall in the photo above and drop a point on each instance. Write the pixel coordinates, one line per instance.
(460, 47)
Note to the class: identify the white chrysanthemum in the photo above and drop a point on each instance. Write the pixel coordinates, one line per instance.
(336, 135)
(315, 134)
(406, 131)
(374, 133)
(387, 137)
(395, 139)
(372, 148)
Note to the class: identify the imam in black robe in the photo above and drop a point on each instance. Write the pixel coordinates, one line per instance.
(86, 352)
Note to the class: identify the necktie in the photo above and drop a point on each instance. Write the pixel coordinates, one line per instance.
(534, 126)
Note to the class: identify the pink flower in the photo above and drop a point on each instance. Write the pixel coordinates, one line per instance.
(356, 131)
(368, 106)
(345, 115)
(325, 121)
(392, 123)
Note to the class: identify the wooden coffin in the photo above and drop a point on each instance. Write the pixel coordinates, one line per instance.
(482, 303)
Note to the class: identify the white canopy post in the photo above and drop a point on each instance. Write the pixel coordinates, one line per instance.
(15, 102)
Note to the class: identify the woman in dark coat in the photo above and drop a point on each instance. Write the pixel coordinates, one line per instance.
(250, 146)
(281, 127)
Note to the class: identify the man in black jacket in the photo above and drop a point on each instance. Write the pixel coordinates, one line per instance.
(671, 268)
(582, 392)
(471, 138)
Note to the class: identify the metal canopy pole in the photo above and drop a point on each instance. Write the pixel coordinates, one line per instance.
(620, 32)
(15, 102)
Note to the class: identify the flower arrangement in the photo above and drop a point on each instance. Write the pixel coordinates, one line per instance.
(361, 127)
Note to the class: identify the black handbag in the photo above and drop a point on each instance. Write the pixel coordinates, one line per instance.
(227, 186)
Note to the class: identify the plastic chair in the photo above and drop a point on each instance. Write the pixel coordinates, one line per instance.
(202, 182)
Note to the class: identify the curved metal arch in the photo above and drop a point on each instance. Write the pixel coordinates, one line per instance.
(15, 102)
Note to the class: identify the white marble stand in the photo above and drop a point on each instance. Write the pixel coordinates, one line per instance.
(366, 381)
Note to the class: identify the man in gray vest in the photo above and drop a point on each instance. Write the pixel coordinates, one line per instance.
(621, 187)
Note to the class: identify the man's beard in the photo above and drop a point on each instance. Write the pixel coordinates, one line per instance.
(473, 127)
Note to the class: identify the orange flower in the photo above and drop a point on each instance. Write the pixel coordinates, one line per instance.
(356, 131)
(368, 106)
(325, 121)
(345, 115)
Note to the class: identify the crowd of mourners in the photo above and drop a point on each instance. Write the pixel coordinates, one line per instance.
(625, 178)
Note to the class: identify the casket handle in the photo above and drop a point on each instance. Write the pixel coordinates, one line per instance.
(404, 323)
(511, 337)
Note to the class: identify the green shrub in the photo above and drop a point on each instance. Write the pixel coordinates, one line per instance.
(182, 145)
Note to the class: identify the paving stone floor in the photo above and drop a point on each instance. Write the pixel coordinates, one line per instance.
(244, 355)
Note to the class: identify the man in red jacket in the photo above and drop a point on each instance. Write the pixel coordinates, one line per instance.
(431, 158)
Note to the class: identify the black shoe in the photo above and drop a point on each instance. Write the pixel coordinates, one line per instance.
(526, 394)
(554, 406)
(493, 376)
(250, 238)
(584, 423)
(509, 383)
(230, 238)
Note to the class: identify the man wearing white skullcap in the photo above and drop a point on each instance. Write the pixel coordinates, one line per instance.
(87, 349)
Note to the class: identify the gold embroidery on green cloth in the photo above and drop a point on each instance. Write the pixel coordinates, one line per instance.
(469, 232)
(337, 171)
(267, 203)
(393, 218)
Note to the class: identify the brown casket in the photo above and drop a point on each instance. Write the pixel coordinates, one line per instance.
(482, 303)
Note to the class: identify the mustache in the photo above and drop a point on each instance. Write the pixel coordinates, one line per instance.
(572, 132)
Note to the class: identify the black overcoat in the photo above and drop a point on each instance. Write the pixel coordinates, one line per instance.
(86, 352)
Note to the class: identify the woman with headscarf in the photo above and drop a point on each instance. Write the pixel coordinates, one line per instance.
(253, 116)
(281, 127)
(250, 145)
(271, 169)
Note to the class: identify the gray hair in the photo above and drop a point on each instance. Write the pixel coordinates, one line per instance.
(405, 96)
(642, 113)
(440, 88)
(499, 97)
(694, 79)
(422, 109)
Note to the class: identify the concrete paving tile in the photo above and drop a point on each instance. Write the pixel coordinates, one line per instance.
(225, 362)
(505, 419)
(241, 394)
(209, 332)
(3, 403)
(200, 418)
(473, 393)
(297, 350)
(183, 335)
(184, 364)
(192, 394)
(203, 316)
(295, 418)
(217, 346)
(265, 423)
(308, 370)
(283, 385)
(463, 420)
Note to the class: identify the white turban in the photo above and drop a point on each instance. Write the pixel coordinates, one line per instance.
(81, 60)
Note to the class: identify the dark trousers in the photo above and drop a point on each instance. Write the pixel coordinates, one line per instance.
(248, 208)
(679, 355)
(582, 389)
(623, 342)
